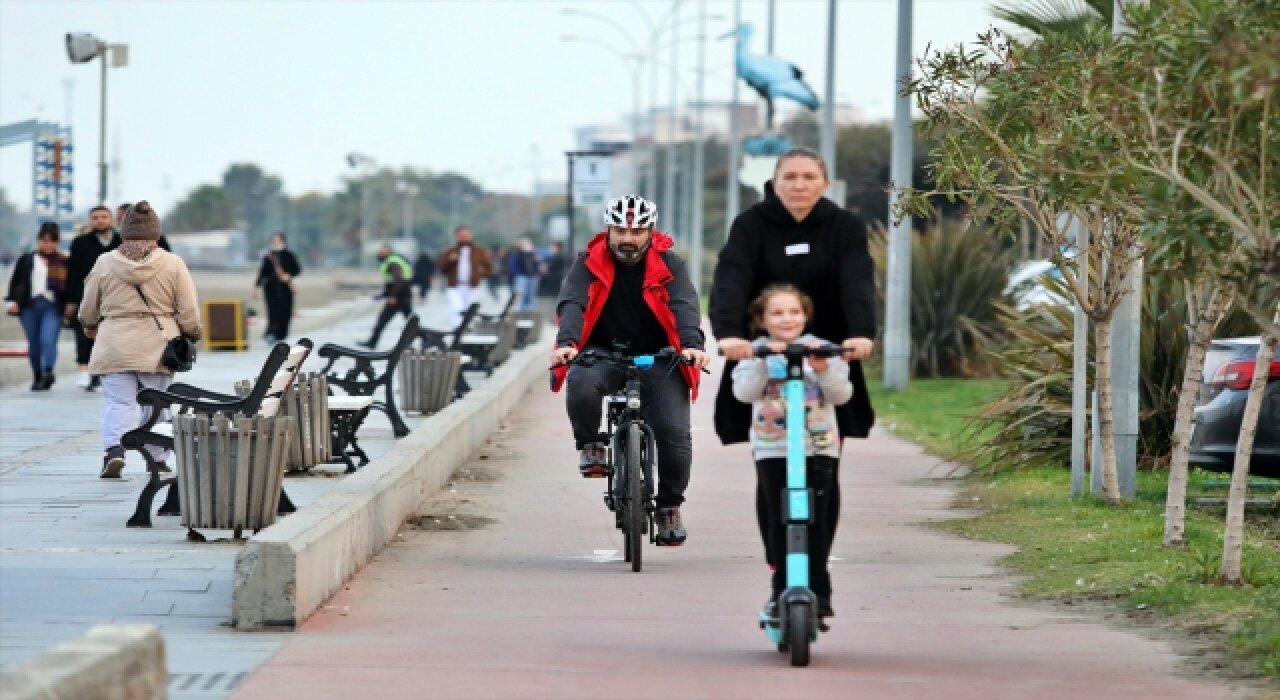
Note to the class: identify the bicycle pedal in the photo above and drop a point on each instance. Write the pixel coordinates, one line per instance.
(823, 626)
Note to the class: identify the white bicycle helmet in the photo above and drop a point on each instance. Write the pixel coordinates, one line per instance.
(631, 211)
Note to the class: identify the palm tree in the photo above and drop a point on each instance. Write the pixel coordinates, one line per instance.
(1075, 18)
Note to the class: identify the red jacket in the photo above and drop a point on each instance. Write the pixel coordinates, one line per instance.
(658, 276)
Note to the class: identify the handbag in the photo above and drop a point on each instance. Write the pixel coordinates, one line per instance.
(180, 352)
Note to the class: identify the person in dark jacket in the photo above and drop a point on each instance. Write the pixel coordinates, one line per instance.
(424, 268)
(629, 291)
(85, 251)
(796, 236)
(275, 276)
(397, 292)
(37, 296)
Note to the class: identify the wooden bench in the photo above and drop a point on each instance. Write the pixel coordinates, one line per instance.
(278, 370)
(364, 379)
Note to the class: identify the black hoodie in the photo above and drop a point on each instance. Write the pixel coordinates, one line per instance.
(826, 257)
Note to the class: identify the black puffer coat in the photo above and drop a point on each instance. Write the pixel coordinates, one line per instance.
(826, 257)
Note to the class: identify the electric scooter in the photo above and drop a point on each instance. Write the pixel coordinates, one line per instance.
(796, 624)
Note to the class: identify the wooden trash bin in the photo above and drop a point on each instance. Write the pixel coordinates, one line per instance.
(230, 472)
(529, 327)
(428, 379)
(306, 400)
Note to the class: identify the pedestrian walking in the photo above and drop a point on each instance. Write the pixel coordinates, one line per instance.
(796, 236)
(130, 292)
(123, 209)
(525, 269)
(275, 277)
(556, 263)
(397, 292)
(37, 296)
(424, 268)
(85, 251)
(464, 265)
(497, 260)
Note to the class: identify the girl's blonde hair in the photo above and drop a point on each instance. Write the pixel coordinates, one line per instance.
(755, 310)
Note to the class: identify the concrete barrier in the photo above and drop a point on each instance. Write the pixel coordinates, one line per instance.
(287, 571)
(110, 662)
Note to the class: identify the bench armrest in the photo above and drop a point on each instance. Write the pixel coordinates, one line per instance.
(334, 352)
(160, 400)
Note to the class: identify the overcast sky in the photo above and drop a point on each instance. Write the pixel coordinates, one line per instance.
(463, 85)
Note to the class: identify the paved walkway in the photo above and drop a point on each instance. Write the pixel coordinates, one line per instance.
(67, 561)
(533, 600)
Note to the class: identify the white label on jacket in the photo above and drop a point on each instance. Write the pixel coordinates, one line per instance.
(798, 249)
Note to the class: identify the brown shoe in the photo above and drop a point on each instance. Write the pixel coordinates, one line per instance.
(112, 463)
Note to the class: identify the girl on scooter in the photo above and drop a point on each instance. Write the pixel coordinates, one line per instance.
(781, 312)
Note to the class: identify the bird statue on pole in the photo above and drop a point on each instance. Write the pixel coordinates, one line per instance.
(772, 77)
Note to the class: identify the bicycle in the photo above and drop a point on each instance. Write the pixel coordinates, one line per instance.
(631, 450)
(797, 624)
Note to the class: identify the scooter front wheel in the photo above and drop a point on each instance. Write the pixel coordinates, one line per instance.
(799, 624)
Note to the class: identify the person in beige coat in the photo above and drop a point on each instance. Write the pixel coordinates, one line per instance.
(128, 346)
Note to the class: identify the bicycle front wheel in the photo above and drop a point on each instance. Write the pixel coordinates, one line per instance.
(638, 520)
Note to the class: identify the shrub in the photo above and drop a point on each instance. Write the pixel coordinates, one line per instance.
(958, 273)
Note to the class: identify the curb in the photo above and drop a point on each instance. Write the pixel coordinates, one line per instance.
(107, 663)
(287, 571)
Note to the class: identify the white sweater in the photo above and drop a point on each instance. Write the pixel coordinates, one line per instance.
(753, 383)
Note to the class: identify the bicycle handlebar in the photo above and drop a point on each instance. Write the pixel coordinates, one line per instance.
(593, 355)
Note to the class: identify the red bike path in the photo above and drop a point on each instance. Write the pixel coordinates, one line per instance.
(538, 604)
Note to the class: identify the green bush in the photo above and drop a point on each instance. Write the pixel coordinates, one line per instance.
(958, 273)
(1030, 425)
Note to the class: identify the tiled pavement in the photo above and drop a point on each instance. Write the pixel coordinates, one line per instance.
(67, 561)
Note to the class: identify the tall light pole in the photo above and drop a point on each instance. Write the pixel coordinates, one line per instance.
(699, 158)
(82, 48)
(897, 340)
(409, 190)
(669, 186)
(633, 62)
(829, 108)
(1126, 350)
(357, 160)
(732, 198)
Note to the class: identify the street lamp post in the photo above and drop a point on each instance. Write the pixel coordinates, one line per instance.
(356, 160)
(699, 162)
(897, 336)
(82, 48)
(409, 190)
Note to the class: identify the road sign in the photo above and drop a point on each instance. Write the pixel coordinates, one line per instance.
(591, 180)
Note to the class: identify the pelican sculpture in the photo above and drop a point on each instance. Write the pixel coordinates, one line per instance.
(771, 76)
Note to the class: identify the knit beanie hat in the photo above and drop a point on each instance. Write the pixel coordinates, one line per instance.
(140, 223)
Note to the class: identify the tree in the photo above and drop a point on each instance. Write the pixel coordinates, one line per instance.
(1201, 125)
(1076, 19)
(255, 195)
(1013, 145)
(206, 208)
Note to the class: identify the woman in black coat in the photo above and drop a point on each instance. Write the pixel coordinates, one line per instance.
(38, 295)
(275, 276)
(796, 236)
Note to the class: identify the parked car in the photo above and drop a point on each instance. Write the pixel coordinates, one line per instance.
(1228, 371)
(1027, 288)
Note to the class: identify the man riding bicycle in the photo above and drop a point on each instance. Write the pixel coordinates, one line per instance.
(628, 292)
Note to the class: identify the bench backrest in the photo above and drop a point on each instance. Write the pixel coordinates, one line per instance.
(262, 385)
(468, 317)
(298, 354)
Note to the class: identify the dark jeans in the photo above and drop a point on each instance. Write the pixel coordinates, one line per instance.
(389, 311)
(665, 406)
(821, 472)
(41, 322)
(279, 312)
(84, 344)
